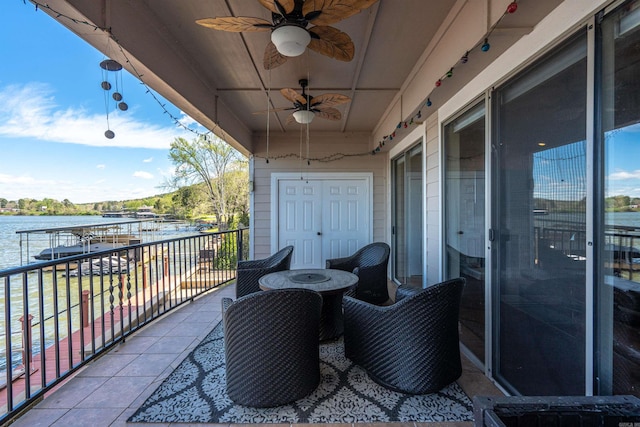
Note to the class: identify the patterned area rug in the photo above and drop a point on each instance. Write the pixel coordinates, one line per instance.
(195, 393)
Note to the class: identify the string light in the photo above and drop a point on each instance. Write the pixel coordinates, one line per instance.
(485, 46)
(136, 74)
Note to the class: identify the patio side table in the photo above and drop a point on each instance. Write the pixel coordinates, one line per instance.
(330, 283)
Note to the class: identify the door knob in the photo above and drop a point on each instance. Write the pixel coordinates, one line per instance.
(319, 233)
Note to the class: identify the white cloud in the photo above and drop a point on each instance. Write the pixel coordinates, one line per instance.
(188, 121)
(149, 160)
(30, 111)
(101, 166)
(143, 175)
(624, 175)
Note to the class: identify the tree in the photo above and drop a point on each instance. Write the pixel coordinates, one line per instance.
(208, 161)
(3, 202)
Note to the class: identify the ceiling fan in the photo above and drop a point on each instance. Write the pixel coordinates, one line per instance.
(306, 107)
(289, 33)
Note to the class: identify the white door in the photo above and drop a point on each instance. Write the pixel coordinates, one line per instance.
(300, 221)
(323, 217)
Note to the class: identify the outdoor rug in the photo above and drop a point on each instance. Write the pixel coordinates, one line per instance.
(195, 393)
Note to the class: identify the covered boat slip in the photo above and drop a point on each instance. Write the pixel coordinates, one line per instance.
(58, 242)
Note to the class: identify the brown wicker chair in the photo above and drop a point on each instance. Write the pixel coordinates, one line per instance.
(411, 346)
(248, 272)
(370, 265)
(271, 347)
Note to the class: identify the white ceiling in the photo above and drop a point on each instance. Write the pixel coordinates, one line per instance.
(218, 78)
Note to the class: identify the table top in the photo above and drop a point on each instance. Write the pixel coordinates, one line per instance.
(318, 279)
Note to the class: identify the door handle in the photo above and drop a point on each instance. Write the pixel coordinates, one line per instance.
(460, 232)
(319, 233)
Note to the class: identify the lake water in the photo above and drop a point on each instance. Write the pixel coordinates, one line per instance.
(10, 250)
(13, 255)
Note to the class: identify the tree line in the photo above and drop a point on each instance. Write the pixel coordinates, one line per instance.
(211, 180)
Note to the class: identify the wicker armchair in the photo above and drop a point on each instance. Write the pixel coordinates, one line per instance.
(370, 265)
(248, 272)
(411, 346)
(271, 347)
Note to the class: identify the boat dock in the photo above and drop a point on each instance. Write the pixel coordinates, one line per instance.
(59, 242)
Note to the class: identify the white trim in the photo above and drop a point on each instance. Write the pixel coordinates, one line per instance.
(252, 207)
(315, 176)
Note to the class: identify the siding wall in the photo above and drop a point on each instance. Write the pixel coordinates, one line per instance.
(319, 147)
(432, 202)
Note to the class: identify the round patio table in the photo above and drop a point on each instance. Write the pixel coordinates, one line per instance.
(330, 283)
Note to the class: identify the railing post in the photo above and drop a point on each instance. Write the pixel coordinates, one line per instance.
(165, 260)
(240, 243)
(144, 275)
(26, 341)
(85, 308)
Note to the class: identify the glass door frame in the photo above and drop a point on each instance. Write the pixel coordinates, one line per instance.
(488, 317)
(405, 156)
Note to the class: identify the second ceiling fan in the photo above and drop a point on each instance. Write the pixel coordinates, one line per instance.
(289, 33)
(306, 107)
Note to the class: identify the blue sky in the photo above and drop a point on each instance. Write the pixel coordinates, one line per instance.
(53, 119)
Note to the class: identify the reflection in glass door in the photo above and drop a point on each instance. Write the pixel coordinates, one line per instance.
(464, 220)
(407, 218)
(539, 222)
(619, 286)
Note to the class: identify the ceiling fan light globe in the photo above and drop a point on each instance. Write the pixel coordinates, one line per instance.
(303, 116)
(290, 40)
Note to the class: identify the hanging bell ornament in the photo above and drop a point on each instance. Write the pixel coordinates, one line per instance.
(109, 134)
(123, 106)
(117, 96)
(105, 85)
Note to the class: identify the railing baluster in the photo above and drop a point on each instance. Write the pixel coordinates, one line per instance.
(8, 342)
(175, 262)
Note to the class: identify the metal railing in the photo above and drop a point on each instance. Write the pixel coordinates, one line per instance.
(60, 314)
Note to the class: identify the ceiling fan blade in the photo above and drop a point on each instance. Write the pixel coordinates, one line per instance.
(331, 42)
(274, 110)
(327, 100)
(290, 120)
(236, 24)
(293, 96)
(326, 12)
(287, 5)
(329, 114)
(273, 58)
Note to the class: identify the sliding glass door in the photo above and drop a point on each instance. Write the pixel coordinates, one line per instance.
(407, 218)
(464, 220)
(539, 225)
(619, 284)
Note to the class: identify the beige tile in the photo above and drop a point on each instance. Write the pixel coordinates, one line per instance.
(147, 365)
(95, 417)
(73, 392)
(117, 392)
(108, 365)
(38, 417)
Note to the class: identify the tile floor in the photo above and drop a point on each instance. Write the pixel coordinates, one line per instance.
(107, 391)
